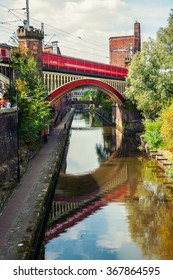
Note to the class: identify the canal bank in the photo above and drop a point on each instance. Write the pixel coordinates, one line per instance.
(163, 157)
(22, 220)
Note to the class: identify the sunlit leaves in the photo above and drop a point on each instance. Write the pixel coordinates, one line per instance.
(167, 126)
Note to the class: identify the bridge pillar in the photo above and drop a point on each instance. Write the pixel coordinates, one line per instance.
(119, 116)
(32, 39)
(113, 113)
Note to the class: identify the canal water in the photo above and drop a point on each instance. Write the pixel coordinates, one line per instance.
(111, 202)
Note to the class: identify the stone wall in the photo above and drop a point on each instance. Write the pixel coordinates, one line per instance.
(8, 152)
(8, 134)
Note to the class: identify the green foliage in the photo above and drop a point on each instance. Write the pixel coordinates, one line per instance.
(171, 174)
(100, 98)
(153, 133)
(150, 79)
(104, 101)
(88, 94)
(167, 126)
(130, 105)
(28, 89)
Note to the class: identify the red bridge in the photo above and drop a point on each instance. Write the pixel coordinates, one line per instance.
(68, 64)
(62, 74)
(65, 73)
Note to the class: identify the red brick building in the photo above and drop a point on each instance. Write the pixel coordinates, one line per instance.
(122, 48)
(32, 39)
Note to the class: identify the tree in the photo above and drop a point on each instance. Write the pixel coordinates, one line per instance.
(29, 91)
(104, 101)
(165, 40)
(100, 98)
(150, 74)
(88, 94)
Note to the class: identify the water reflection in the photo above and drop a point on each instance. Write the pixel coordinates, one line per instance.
(151, 213)
(116, 206)
(89, 140)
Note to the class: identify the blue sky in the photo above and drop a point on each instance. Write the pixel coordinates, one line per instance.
(83, 27)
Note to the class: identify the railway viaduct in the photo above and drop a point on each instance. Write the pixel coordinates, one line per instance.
(62, 74)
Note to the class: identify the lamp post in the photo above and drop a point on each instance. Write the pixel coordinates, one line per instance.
(18, 142)
(10, 77)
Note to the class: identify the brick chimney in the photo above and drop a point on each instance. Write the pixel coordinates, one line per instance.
(137, 34)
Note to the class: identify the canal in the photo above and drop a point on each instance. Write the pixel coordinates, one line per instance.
(111, 202)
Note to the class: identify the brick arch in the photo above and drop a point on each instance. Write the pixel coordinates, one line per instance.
(115, 95)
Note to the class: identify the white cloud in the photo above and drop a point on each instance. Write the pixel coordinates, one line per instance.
(79, 167)
(115, 238)
(86, 6)
(75, 232)
(93, 20)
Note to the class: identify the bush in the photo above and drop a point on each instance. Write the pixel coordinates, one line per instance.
(153, 133)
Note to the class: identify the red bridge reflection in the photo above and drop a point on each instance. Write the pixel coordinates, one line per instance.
(119, 194)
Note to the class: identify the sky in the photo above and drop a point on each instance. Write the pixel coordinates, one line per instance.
(83, 27)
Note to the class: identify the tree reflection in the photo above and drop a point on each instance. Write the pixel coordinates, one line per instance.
(104, 151)
(101, 153)
(151, 228)
(151, 215)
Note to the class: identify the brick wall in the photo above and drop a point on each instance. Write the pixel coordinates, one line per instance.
(32, 39)
(8, 134)
(122, 48)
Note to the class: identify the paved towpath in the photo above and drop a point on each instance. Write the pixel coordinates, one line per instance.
(18, 210)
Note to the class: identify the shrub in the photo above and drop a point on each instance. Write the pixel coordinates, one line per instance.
(153, 133)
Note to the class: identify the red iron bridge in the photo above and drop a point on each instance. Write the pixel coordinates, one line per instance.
(68, 64)
(62, 74)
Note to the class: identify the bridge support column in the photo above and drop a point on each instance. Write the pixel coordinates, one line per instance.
(114, 114)
(119, 116)
(129, 122)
